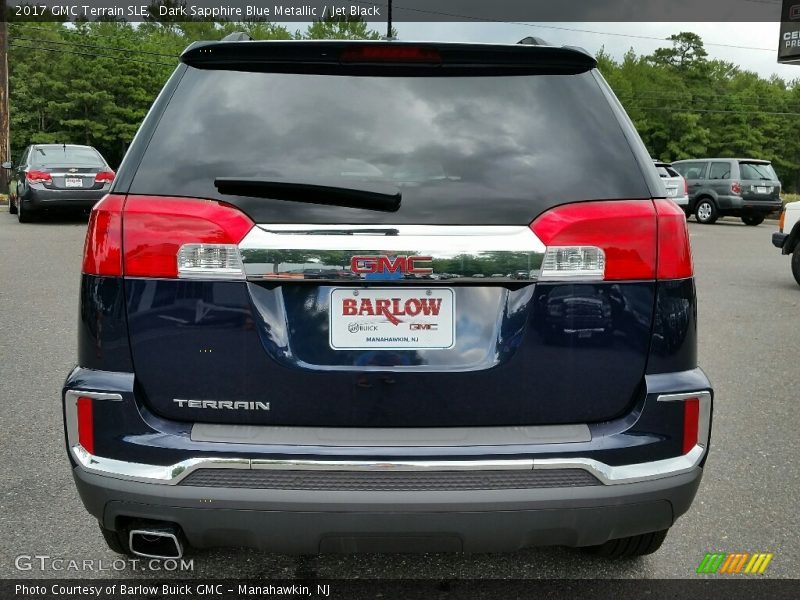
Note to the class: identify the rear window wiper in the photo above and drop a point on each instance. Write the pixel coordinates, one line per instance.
(349, 194)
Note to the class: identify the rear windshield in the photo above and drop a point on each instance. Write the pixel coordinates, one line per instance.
(757, 171)
(495, 150)
(666, 172)
(51, 156)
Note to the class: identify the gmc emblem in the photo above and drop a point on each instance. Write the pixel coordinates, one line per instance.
(383, 264)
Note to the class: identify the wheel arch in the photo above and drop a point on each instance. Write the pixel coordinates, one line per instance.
(792, 240)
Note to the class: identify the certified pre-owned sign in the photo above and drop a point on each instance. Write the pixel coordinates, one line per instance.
(789, 44)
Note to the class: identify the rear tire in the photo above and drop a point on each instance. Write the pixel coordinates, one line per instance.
(116, 541)
(23, 216)
(796, 263)
(706, 212)
(629, 547)
(12, 208)
(753, 220)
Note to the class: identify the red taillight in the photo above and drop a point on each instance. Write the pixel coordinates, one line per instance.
(104, 177)
(685, 188)
(102, 252)
(390, 52)
(691, 422)
(674, 252)
(736, 187)
(38, 177)
(157, 227)
(625, 231)
(86, 424)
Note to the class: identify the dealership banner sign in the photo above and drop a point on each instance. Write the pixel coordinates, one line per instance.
(789, 44)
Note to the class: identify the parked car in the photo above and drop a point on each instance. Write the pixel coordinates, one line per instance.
(64, 177)
(339, 414)
(738, 187)
(787, 238)
(677, 188)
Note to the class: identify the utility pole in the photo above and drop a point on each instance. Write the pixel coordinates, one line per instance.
(5, 150)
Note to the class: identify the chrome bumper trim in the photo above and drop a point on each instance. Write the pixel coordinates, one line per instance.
(607, 474)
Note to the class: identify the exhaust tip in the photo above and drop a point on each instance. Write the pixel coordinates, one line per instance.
(156, 542)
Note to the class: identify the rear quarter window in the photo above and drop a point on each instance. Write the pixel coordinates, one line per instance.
(720, 170)
(691, 170)
(757, 171)
(481, 149)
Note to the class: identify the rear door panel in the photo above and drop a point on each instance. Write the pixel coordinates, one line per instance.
(528, 363)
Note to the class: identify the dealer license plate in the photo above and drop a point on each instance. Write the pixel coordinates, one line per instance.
(392, 319)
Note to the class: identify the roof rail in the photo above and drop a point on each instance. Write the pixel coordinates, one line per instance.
(533, 41)
(237, 36)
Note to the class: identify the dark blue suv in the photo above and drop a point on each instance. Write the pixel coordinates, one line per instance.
(350, 296)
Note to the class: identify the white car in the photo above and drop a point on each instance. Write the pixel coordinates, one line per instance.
(788, 236)
(677, 188)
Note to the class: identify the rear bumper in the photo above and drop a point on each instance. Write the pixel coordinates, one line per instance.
(739, 205)
(44, 199)
(609, 480)
(682, 201)
(297, 521)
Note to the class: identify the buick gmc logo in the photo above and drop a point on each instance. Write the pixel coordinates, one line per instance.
(391, 264)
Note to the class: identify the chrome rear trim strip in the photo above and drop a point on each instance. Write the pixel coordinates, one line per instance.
(608, 474)
(454, 253)
(613, 475)
(173, 474)
(144, 473)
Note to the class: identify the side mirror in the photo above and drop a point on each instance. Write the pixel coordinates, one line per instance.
(7, 165)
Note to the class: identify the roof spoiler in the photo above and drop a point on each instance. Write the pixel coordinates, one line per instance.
(335, 56)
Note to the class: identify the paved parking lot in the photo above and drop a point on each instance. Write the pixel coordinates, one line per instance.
(749, 346)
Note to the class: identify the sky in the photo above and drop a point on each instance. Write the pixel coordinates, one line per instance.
(615, 38)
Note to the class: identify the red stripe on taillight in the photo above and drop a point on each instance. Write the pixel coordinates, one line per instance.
(38, 177)
(156, 227)
(102, 251)
(691, 421)
(674, 252)
(624, 229)
(86, 424)
(104, 177)
(736, 188)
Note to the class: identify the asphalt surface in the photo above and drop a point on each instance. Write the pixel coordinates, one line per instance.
(749, 316)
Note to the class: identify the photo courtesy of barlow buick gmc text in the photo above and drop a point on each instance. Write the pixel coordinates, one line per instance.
(399, 299)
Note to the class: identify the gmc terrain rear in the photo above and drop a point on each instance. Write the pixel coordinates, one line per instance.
(350, 296)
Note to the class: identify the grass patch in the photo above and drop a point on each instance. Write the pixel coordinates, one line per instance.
(790, 198)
